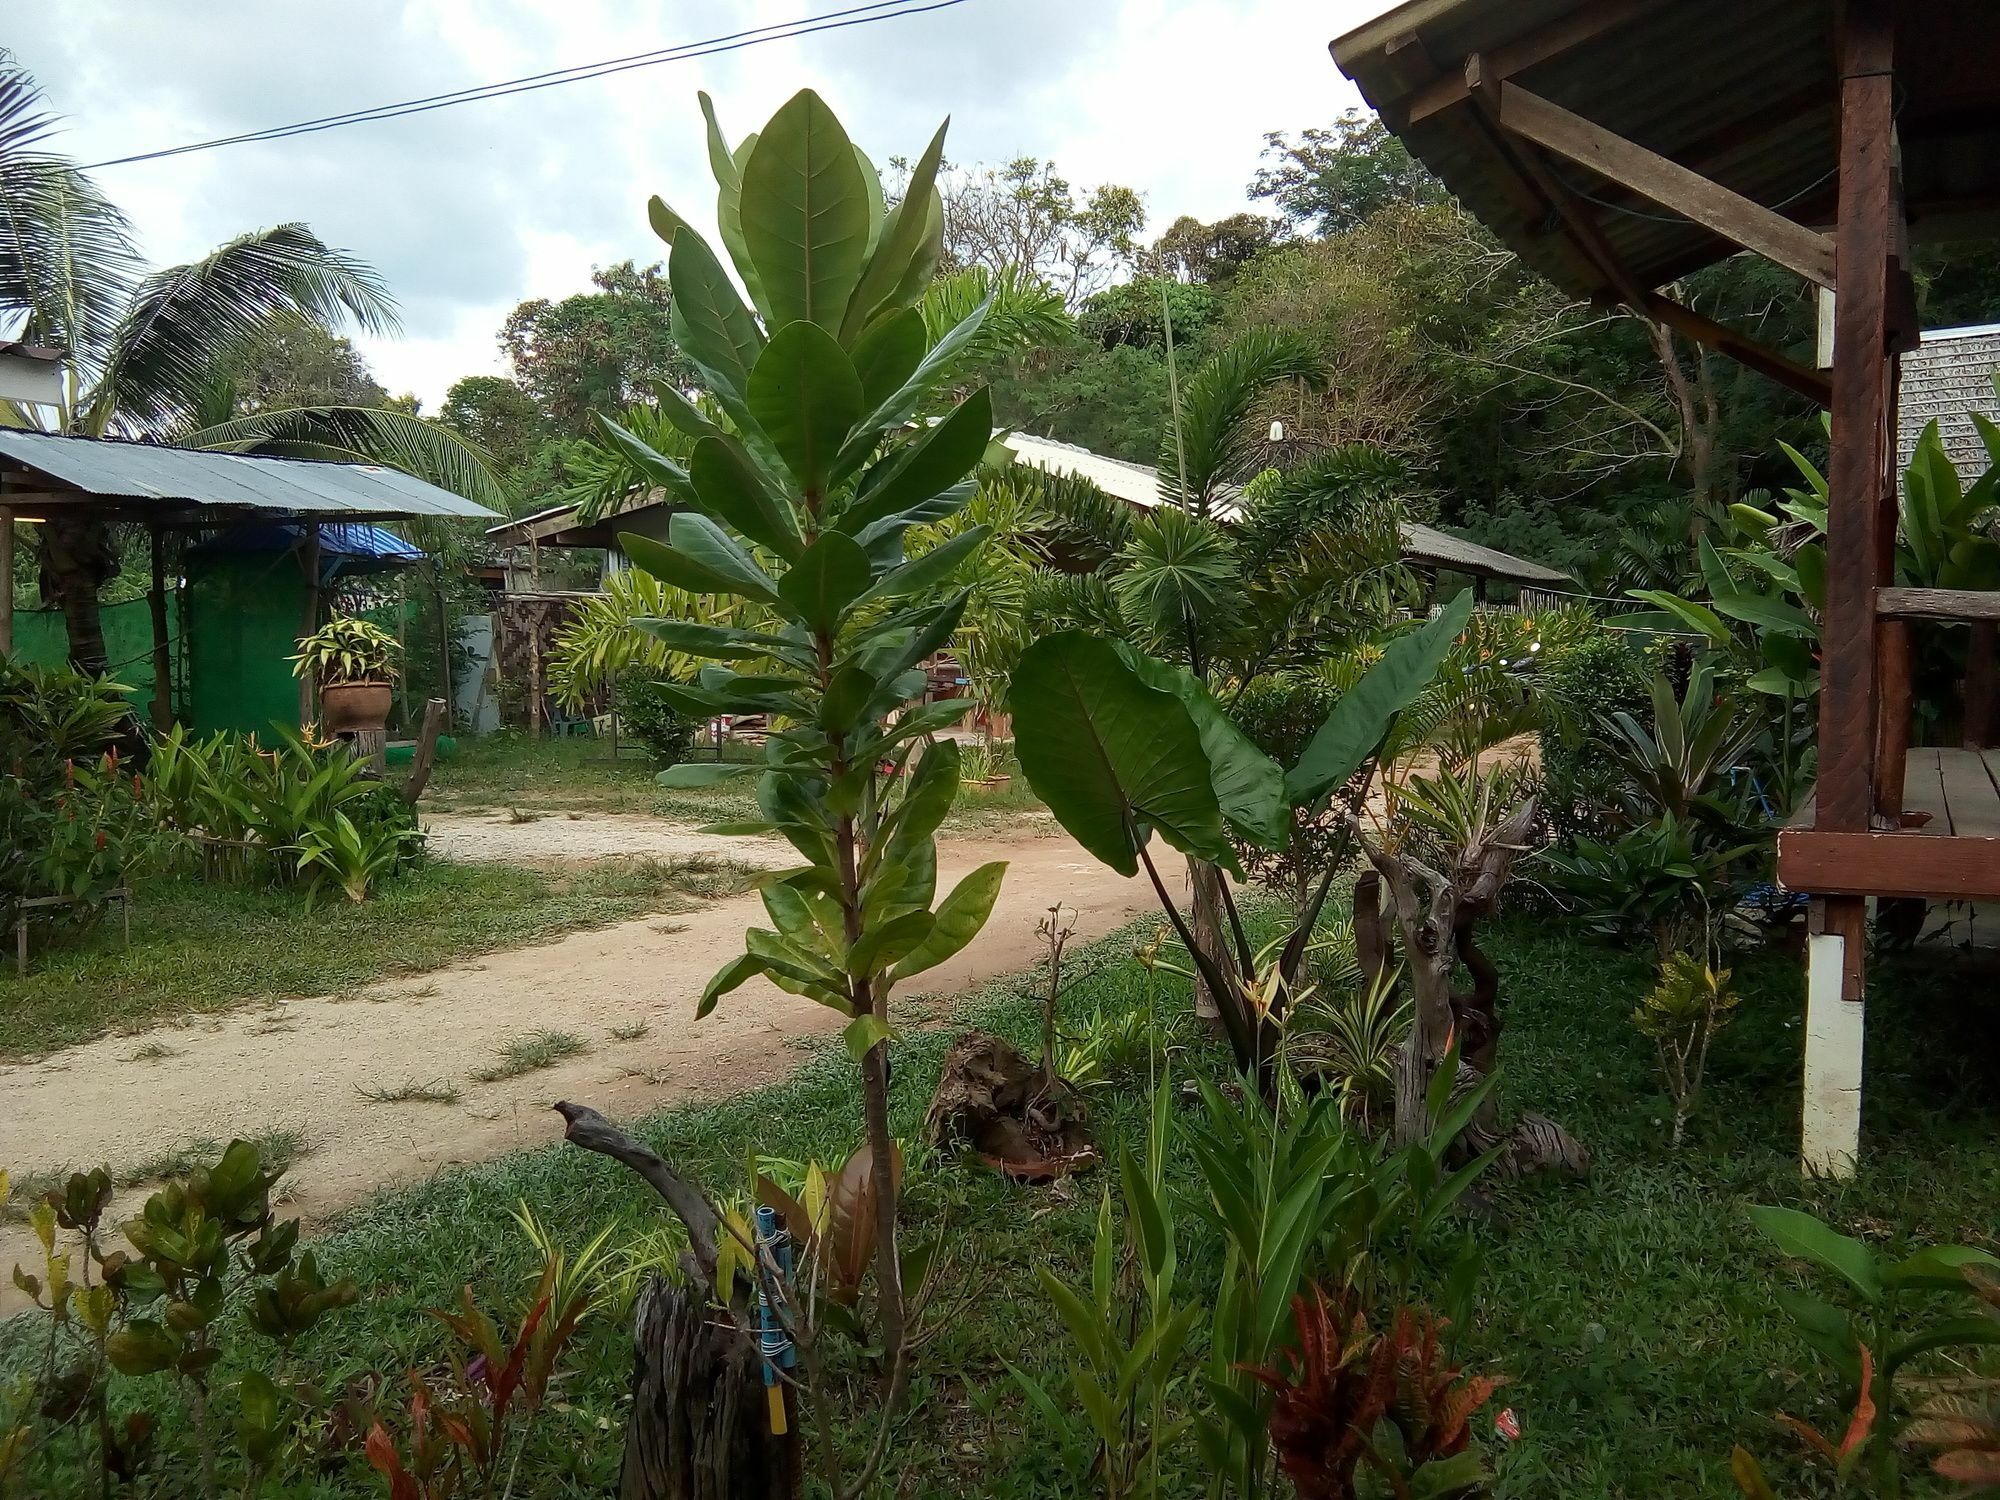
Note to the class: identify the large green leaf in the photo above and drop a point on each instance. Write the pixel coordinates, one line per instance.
(888, 354)
(806, 396)
(713, 642)
(1249, 786)
(901, 405)
(1696, 617)
(930, 570)
(935, 462)
(805, 214)
(1803, 1237)
(1355, 728)
(901, 241)
(1767, 612)
(649, 461)
(1111, 755)
(828, 578)
(959, 918)
(727, 168)
(699, 557)
(730, 487)
(710, 322)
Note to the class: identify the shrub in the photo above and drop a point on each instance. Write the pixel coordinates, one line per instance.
(1583, 685)
(1280, 715)
(345, 650)
(643, 709)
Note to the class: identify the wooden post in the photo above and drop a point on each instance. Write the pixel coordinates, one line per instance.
(309, 618)
(1892, 728)
(1857, 557)
(445, 686)
(163, 660)
(6, 580)
(426, 756)
(535, 623)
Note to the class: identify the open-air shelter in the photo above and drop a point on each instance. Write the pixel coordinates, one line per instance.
(1619, 145)
(306, 522)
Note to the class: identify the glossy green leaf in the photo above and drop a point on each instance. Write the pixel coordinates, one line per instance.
(710, 322)
(805, 396)
(1249, 786)
(886, 942)
(932, 570)
(1767, 612)
(1109, 754)
(713, 642)
(730, 487)
(959, 918)
(733, 975)
(889, 353)
(1803, 1237)
(900, 243)
(902, 404)
(920, 470)
(654, 465)
(711, 549)
(683, 413)
(827, 580)
(864, 1033)
(1355, 728)
(805, 214)
(1940, 1268)
(1690, 615)
(142, 1347)
(666, 223)
(727, 168)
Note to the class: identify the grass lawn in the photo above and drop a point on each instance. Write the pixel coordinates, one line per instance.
(1633, 1313)
(576, 774)
(199, 948)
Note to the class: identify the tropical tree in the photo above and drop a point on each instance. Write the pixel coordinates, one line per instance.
(797, 501)
(150, 355)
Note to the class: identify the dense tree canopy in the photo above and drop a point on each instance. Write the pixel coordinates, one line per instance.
(594, 352)
(296, 362)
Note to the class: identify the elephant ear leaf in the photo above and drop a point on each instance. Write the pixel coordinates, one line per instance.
(1111, 756)
(1249, 787)
(1355, 728)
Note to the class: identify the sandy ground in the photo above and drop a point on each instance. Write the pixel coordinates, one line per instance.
(542, 838)
(302, 1064)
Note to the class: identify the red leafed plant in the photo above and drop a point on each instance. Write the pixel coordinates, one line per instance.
(1349, 1396)
(1961, 1417)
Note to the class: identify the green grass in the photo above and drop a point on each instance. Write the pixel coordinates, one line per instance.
(280, 1149)
(412, 1091)
(531, 1053)
(198, 948)
(1634, 1312)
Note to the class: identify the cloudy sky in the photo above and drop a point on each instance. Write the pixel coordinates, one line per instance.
(469, 210)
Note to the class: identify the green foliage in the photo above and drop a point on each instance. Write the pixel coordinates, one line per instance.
(1586, 684)
(347, 649)
(592, 352)
(1683, 764)
(49, 715)
(1681, 1016)
(1333, 179)
(208, 1266)
(1662, 878)
(1892, 1319)
(644, 712)
(1131, 313)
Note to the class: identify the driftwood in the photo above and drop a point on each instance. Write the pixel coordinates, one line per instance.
(1020, 1120)
(699, 1428)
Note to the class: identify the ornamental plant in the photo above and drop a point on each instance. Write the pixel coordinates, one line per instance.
(347, 650)
(797, 500)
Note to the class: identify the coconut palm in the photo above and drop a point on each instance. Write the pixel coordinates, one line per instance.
(144, 351)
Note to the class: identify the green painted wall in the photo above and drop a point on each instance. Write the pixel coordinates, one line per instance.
(41, 638)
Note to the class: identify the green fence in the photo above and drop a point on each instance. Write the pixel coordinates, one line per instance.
(40, 637)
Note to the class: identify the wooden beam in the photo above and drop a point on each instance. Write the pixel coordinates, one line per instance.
(1740, 220)
(1892, 719)
(1937, 604)
(1903, 863)
(1858, 470)
(1553, 40)
(1740, 347)
(163, 661)
(6, 581)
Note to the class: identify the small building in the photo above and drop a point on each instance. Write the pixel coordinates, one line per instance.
(247, 552)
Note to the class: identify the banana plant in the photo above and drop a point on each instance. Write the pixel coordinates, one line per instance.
(1122, 747)
(798, 501)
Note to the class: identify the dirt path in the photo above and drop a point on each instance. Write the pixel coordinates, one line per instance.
(545, 837)
(301, 1065)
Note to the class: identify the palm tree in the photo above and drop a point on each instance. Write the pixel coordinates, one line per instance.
(145, 351)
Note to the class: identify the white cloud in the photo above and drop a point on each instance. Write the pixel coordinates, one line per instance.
(469, 210)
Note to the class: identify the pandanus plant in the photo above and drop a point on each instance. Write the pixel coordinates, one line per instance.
(797, 500)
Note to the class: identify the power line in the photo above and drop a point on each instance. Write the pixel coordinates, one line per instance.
(859, 15)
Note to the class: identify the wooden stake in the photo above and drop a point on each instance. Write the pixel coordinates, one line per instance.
(6, 580)
(309, 619)
(163, 661)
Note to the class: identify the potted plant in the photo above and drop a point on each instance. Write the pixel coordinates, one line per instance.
(354, 663)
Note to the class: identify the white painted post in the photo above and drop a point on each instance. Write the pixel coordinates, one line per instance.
(1831, 1135)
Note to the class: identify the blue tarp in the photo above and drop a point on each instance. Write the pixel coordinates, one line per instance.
(345, 547)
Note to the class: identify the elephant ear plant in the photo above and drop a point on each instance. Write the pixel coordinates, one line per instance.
(796, 501)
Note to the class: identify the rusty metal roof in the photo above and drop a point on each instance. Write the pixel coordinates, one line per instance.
(1742, 91)
(109, 469)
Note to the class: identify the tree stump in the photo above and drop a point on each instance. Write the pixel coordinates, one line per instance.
(700, 1428)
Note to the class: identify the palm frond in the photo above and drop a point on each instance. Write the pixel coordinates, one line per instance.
(67, 258)
(186, 320)
(1177, 581)
(1024, 313)
(362, 434)
(602, 476)
(1070, 601)
(1073, 512)
(1218, 442)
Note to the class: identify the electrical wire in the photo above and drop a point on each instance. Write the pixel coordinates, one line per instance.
(778, 31)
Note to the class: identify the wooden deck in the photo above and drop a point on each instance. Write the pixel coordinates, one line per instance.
(1953, 855)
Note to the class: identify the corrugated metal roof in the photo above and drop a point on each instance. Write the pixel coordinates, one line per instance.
(293, 486)
(1741, 91)
(1944, 381)
(1136, 484)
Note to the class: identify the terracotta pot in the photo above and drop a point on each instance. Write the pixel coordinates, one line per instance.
(349, 706)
